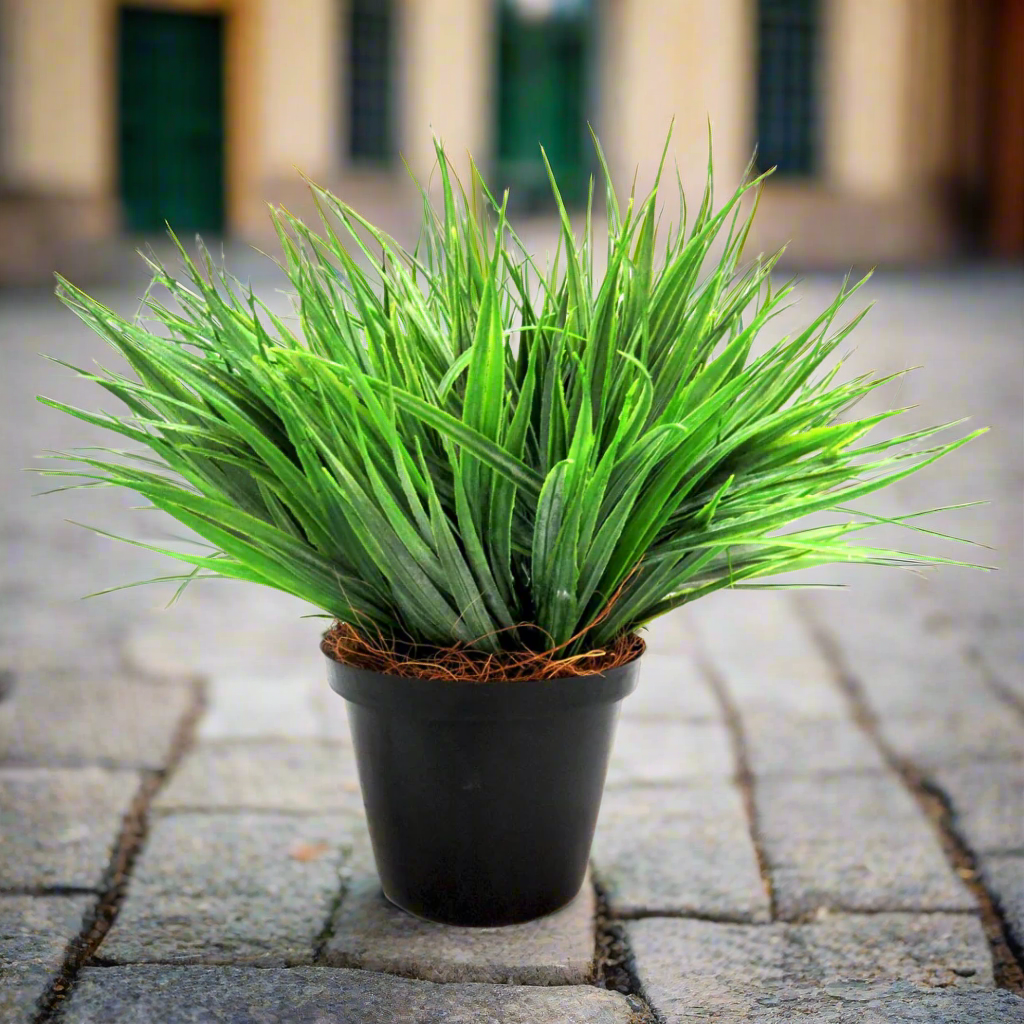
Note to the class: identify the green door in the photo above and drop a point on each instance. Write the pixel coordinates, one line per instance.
(171, 101)
(542, 100)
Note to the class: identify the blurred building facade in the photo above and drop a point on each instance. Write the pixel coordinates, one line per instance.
(897, 126)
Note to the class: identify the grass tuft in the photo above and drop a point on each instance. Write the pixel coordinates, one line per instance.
(453, 449)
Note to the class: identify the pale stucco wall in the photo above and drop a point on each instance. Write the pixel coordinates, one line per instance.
(300, 78)
(683, 59)
(885, 92)
(445, 80)
(868, 111)
(56, 108)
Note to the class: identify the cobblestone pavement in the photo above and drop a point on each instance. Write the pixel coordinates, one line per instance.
(815, 809)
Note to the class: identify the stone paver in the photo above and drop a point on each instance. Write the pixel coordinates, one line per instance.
(679, 850)
(783, 744)
(1004, 879)
(63, 717)
(979, 729)
(1005, 661)
(231, 888)
(988, 804)
(765, 655)
(666, 752)
(932, 703)
(272, 775)
(58, 826)
(671, 687)
(253, 705)
(35, 932)
(852, 842)
(837, 828)
(257, 634)
(903, 1004)
(321, 995)
(692, 970)
(372, 934)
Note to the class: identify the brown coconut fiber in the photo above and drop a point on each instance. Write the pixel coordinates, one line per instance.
(348, 645)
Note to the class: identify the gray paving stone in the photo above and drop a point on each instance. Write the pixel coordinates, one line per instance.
(669, 635)
(1004, 879)
(273, 775)
(666, 752)
(235, 631)
(852, 842)
(981, 728)
(782, 744)
(933, 704)
(671, 687)
(255, 705)
(988, 804)
(900, 1005)
(323, 995)
(27, 635)
(904, 675)
(1005, 659)
(245, 706)
(56, 718)
(231, 888)
(58, 826)
(679, 850)
(35, 932)
(765, 655)
(372, 934)
(691, 970)
(925, 950)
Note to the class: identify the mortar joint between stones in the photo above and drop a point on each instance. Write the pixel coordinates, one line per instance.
(744, 775)
(614, 964)
(1007, 957)
(130, 841)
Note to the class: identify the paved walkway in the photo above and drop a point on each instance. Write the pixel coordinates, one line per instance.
(815, 810)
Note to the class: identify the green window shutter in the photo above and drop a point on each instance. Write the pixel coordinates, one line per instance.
(370, 74)
(789, 45)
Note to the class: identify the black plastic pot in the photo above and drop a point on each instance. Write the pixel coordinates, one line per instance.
(481, 798)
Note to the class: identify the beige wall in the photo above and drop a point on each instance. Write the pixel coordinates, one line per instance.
(682, 59)
(446, 84)
(887, 101)
(57, 103)
(867, 122)
(299, 87)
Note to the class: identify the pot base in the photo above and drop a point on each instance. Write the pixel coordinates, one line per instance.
(486, 918)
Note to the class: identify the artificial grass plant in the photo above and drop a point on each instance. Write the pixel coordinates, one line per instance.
(449, 448)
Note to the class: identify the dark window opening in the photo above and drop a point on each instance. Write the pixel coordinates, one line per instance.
(171, 132)
(789, 43)
(370, 96)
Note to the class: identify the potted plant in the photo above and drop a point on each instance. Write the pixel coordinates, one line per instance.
(491, 478)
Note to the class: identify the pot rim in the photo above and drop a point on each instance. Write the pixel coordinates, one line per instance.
(467, 698)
